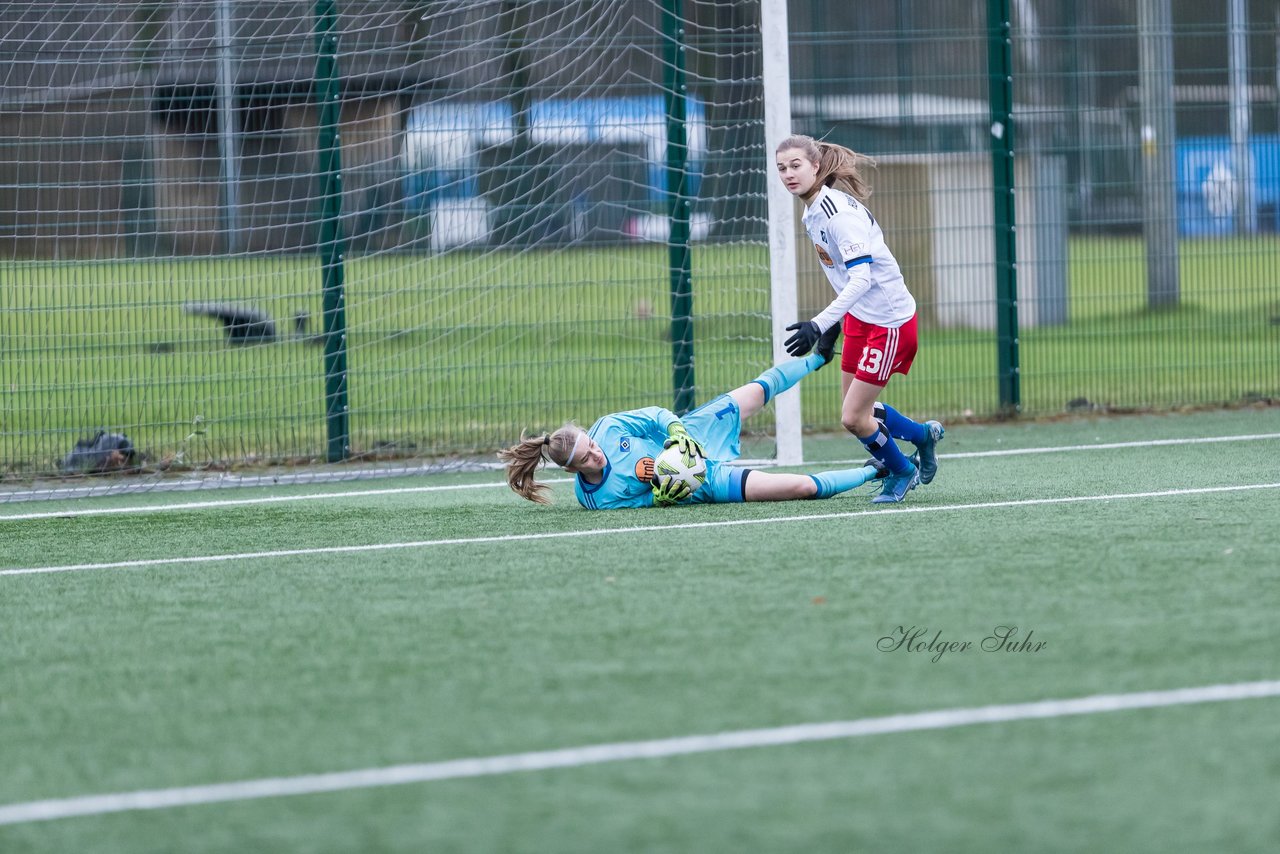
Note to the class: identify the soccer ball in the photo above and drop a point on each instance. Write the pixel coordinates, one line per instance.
(674, 464)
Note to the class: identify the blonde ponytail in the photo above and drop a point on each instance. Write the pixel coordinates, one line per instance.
(524, 458)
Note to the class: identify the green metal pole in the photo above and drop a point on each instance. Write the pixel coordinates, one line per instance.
(678, 209)
(332, 245)
(1000, 74)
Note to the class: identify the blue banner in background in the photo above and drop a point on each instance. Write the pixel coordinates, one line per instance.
(1210, 184)
(443, 140)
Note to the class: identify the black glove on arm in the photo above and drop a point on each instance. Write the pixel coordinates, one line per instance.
(802, 341)
(826, 346)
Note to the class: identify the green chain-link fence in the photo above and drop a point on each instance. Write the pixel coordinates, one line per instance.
(243, 232)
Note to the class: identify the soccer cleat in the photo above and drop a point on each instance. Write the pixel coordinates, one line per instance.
(896, 486)
(882, 470)
(927, 452)
(826, 346)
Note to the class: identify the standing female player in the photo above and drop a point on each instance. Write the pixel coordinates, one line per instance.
(877, 311)
(614, 460)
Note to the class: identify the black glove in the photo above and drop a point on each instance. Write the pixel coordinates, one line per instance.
(667, 491)
(826, 347)
(807, 334)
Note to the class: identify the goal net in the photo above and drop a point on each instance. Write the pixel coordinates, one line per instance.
(343, 238)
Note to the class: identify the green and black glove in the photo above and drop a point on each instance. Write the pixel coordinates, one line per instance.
(667, 491)
(689, 448)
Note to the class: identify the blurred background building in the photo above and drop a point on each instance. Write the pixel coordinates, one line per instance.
(188, 127)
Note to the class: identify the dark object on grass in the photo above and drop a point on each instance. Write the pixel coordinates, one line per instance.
(247, 325)
(104, 452)
(243, 324)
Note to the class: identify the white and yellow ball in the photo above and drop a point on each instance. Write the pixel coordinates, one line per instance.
(672, 463)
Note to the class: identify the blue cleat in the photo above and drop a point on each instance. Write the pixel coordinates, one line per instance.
(927, 453)
(896, 486)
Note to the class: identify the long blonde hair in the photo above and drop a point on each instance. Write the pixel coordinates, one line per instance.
(524, 458)
(838, 167)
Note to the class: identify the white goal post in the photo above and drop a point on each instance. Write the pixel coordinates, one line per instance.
(782, 248)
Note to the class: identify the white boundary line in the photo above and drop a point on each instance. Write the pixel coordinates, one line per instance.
(1103, 446)
(577, 757)
(320, 496)
(327, 474)
(241, 502)
(635, 529)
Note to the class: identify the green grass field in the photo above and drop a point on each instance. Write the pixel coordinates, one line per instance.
(386, 623)
(459, 353)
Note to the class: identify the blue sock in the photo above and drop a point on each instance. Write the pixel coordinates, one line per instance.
(884, 449)
(899, 425)
(781, 377)
(835, 482)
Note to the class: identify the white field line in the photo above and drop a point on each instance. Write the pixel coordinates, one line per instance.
(320, 496)
(1104, 446)
(576, 757)
(635, 529)
(240, 502)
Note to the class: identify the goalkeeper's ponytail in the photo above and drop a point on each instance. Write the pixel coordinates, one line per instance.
(523, 459)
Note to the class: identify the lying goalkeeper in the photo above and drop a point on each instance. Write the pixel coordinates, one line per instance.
(614, 460)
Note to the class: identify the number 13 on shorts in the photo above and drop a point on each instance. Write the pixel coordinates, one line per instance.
(870, 361)
(879, 350)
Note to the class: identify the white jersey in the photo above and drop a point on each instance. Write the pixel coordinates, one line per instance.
(865, 275)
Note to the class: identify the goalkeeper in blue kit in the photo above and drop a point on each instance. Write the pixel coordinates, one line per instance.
(614, 460)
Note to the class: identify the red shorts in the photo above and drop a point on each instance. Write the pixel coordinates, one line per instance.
(872, 353)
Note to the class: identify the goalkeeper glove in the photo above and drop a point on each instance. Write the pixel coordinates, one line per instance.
(807, 334)
(826, 346)
(689, 448)
(667, 491)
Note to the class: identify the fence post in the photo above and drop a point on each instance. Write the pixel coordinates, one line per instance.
(678, 209)
(1159, 167)
(1000, 75)
(228, 128)
(1246, 212)
(328, 93)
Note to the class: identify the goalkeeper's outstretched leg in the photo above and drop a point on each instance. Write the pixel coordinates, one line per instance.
(613, 461)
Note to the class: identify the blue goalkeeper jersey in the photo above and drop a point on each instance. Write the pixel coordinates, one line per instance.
(632, 440)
